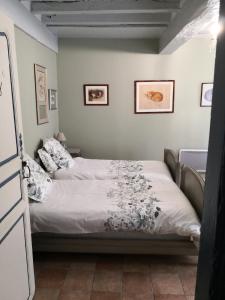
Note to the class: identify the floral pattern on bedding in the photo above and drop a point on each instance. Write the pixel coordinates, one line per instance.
(38, 181)
(47, 161)
(58, 153)
(124, 167)
(138, 207)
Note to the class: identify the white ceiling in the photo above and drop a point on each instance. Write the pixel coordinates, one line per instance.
(162, 19)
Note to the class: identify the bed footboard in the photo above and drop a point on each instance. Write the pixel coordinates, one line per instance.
(113, 246)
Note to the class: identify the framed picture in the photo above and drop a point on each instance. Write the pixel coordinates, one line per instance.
(206, 95)
(41, 91)
(52, 99)
(96, 94)
(152, 96)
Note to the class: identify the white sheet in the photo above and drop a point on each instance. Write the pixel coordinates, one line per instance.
(111, 169)
(130, 204)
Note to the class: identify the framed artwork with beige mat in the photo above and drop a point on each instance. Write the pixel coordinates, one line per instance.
(152, 96)
(41, 93)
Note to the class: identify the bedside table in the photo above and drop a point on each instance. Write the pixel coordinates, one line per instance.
(74, 152)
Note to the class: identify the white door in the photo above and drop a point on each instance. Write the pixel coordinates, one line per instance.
(16, 265)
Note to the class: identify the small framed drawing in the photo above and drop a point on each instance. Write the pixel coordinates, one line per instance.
(52, 99)
(96, 94)
(41, 92)
(153, 96)
(206, 95)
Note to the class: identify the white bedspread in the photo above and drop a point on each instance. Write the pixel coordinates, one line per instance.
(112, 169)
(129, 204)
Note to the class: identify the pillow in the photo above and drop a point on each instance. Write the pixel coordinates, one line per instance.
(47, 161)
(58, 153)
(38, 182)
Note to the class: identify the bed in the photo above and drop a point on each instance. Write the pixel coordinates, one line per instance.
(102, 220)
(100, 169)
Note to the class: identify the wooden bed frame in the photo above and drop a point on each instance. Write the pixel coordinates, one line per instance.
(51, 243)
(182, 246)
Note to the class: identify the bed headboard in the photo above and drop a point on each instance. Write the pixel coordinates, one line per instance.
(36, 156)
(192, 185)
(171, 160)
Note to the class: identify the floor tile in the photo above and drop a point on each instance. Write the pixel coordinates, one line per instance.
(51, 278)
(142, 296)
(186, 270)
(136, 283)
(168, 284)
(188, 278)
(137, 286)
(74, 295)
(62, 276)
(108, 281)
(169, 297)
(83, 266)
(105, 296)
(46, 294)
(79, 280)
(109, 263)
(188, 284)
(136, 264)
(163, 268)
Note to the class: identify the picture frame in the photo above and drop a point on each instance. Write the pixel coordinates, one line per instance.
(206, 94)
(154, 96)
(41, 94)
(96, 94)
(52, 99)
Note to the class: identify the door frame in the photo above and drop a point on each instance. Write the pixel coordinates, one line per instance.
(211, 265)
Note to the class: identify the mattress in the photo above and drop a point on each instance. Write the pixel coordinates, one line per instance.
(134, 203)
(112, 169)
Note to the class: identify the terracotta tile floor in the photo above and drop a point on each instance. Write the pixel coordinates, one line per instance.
(114, 277)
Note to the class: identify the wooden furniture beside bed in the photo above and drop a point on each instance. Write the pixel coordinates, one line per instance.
(192, 188)
(74, 152)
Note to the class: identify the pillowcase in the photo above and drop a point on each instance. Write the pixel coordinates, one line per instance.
(47, 161)
(58, 153)
(38, 183)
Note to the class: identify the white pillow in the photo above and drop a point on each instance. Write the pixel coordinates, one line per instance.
(47, 161)
(39, 182)
(58, 153)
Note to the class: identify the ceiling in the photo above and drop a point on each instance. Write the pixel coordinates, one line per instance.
(107, 18)
(162, 19)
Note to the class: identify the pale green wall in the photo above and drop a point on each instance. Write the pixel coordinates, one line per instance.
(115, 131)
(30, 52)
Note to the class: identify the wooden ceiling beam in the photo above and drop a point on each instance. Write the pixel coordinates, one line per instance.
(114, 19)
(172, 38)
(104, 7)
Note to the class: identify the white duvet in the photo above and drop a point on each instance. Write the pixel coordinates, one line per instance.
(130, 204)
(112, 169)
